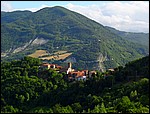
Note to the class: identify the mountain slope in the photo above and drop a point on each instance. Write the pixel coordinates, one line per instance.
(133, 70)
(140, 38)
(91, 44)
(7, 17)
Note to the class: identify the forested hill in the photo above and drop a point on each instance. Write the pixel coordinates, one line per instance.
(140, 38)
(54, 29)
(7, 17)
(23, 91)
(133, 70)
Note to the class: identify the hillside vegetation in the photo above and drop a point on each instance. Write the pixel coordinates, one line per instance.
(139, 38)
(23, 91)
(59, 29)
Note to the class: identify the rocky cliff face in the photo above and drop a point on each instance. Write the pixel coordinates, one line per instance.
(37, 41)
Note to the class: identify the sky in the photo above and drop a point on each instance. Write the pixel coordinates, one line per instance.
(129, 16)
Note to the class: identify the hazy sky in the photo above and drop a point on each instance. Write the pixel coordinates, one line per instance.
(130, 16)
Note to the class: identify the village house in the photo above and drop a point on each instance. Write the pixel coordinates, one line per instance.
(111, 69)
(50, 66)
(72, 75)
(79, 75)
(76, 75)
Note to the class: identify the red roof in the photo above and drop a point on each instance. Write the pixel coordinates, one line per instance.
(77, 73)
(59, 67)
(45, 64)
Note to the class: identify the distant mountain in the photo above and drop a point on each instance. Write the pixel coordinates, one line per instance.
(93, 46)
(139, 38)
(7, 17)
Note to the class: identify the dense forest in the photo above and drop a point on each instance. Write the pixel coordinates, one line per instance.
(24, 91)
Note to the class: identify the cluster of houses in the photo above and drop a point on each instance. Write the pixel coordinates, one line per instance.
(72, 74)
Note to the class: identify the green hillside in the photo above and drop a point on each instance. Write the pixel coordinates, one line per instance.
(133, 70)
(93, 45)
(23, 91)
(7, 17)
(140, 38)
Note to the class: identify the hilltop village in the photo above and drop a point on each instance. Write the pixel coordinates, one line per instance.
(28, 85)
(71, 74)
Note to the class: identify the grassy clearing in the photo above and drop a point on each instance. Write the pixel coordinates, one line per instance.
(38, 53)
(60, 52)
(63, 56)
(57, 57)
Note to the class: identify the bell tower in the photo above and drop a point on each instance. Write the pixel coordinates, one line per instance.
(69, 65)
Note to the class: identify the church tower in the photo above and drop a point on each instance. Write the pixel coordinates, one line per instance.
(69, 65)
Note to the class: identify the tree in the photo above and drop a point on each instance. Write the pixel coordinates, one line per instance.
(99, 109)
(25, 73)
(28, 96)
(144, 99)
(21, 98)
(99, 74)
(9, 109)
(76, 107)
(124, 105)
(60, 109)
(133, 94)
